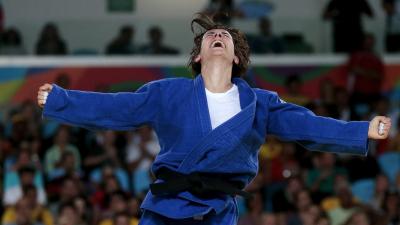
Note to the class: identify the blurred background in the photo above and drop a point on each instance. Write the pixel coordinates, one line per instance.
(338, 58)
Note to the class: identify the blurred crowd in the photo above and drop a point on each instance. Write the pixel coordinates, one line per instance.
(51, 43)
(346, 17)
(56, 174)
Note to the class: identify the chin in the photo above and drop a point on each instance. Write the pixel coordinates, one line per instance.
(220, 54)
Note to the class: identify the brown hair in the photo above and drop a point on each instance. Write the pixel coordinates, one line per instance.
(242, 50)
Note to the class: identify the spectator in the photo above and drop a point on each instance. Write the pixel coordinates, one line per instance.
(284, 164)
(11, 43)
(61, 144)
(327, 91)
(358, 218)
(346, 207)
(134, 210)
(142, 149)
(284, 199)
(295, 43)
(29, 111)
(323, 109)
(24, 212)
(63, 80)
(311, 216)
(323, 220)
(20, 130)
(255, 210)
(68, 190)
(64, 191)
(271, 149)
(156, 46)
(50, 41)
(381, 188)
(391, 207)
(293, 85)
(108, 161)
(392, 10)
(26, 176)
(117, 203)
(269, 219)
(366, 74)
(24, 158)
(109, 184)
(122, 44)
(342, 102)
(121, 219)
(103, 151)
(97, 199)
(83, 208)
(38, 213)
(220, 6)
(321, 179)
(66, 167)
(303, 203)
(265, 42)
(69, 215)
(346, 17)
(223, 10)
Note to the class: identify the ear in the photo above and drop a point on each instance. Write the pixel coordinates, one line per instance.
(236, 60)
(197, 58)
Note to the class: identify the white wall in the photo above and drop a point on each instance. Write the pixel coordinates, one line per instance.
(86, 23)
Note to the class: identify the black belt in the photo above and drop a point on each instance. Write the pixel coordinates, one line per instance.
(202, 185)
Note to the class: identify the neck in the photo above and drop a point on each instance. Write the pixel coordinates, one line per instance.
(217, 75)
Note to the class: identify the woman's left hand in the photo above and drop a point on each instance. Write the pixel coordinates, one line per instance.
(373, 131)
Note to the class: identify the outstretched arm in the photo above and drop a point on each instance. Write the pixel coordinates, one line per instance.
(296, 123)
(118, 111)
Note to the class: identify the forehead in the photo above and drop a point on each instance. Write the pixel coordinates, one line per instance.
(216, 30)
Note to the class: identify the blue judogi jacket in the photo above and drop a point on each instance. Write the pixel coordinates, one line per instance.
(177, 110)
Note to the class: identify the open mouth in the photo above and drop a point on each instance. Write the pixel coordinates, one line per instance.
(217, 44)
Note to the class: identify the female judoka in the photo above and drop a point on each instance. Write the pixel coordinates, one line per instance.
(209, 128)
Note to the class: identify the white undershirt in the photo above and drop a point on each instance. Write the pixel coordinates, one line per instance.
(223, 106)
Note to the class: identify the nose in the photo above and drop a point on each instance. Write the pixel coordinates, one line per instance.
(218, 34)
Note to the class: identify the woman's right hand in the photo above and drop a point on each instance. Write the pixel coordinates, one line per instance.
(43, 92)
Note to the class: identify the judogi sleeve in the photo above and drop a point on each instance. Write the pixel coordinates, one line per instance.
(93, 110)
(295, 123)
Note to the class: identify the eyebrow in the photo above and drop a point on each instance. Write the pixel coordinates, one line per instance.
(223, 32)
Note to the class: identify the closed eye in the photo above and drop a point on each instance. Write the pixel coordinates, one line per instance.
(212, 33)
(226, 34)
(208, 34)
